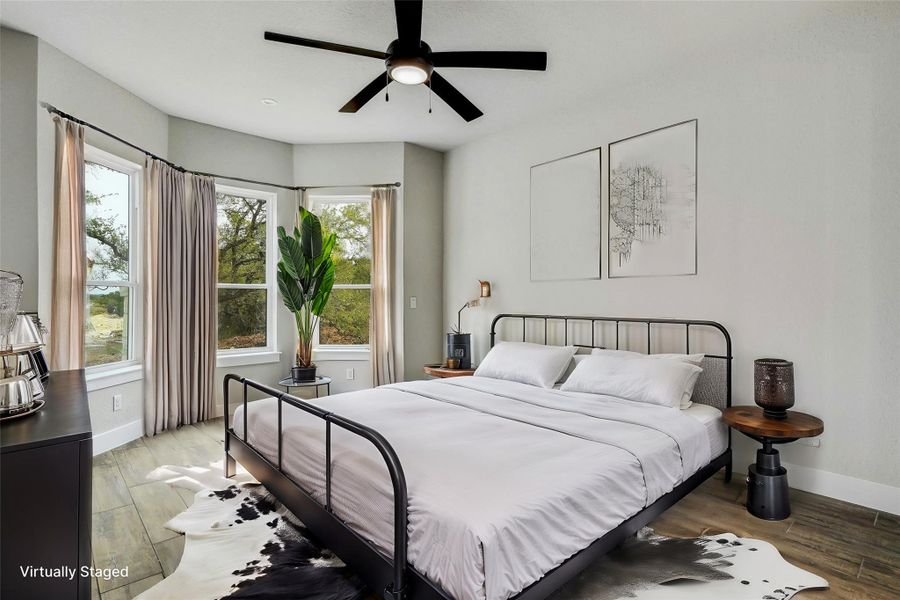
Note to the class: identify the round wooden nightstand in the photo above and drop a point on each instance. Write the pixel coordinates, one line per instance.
(767, 485)
(441, 371)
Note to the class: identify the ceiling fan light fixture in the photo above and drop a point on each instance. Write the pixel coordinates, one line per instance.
(406, 68)
(409, 74)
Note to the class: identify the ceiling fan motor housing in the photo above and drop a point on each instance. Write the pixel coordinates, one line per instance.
(409, 58)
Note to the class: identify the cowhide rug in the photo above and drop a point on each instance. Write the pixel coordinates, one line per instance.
(718, 567)
(242, 543)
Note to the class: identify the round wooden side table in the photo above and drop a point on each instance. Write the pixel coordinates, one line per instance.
(441, 371)
(767, 484)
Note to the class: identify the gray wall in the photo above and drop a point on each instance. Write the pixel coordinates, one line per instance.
(423, 238)
(798, 218)
(18, 159)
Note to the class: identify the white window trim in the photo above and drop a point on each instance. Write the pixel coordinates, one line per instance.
(337, 353)
(268, 353)
(123, 371)
(100, 379)
(352, 352)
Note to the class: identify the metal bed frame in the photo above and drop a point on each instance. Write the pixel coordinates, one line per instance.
(398, 579)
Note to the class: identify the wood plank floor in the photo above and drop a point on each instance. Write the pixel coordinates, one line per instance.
(855, 548)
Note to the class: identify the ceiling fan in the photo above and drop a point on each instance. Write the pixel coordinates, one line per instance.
(410, 61)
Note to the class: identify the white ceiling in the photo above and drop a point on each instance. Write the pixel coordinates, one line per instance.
(207, 61)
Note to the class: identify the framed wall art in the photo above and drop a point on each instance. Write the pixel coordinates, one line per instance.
(565, 218)
(652, 217)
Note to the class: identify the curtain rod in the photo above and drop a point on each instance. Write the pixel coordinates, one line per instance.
(53, 110)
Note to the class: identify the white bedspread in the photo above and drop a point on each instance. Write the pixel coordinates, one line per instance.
(505, 480)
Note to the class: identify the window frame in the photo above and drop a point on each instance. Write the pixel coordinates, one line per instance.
(346, 351)
(269, 352)
(129, 367)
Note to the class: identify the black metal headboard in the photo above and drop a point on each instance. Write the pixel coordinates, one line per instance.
(713, 387)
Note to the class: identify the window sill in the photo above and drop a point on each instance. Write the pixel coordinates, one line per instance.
(332, 353)
(106, 378)
(238, 359)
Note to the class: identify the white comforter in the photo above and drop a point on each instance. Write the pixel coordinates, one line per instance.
(505, 480)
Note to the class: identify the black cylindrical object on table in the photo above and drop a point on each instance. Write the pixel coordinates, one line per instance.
(773, 386)
(459, 345)
(767, 486)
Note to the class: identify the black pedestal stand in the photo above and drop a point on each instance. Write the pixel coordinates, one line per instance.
(767, 484)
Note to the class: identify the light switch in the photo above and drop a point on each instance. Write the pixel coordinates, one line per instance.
(412, 301)
(350, 373)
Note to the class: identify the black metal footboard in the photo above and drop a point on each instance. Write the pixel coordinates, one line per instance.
(321, 520)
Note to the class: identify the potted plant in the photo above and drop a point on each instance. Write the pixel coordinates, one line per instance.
(305, 279)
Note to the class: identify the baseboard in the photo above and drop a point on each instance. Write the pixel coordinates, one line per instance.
(874, 495)
(118, 436)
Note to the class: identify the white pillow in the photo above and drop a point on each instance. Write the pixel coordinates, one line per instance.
(571, 366)
(692, 359)
(661, 382)
(533, 364)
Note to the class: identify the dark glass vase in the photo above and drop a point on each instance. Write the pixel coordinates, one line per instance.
(773, 386)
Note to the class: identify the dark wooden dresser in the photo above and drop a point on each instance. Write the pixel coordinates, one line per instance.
(45, 494)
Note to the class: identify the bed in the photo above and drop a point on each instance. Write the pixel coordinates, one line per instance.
(475, 488)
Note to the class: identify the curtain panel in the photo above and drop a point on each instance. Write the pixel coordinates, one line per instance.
(69, 256)
(382, 342)
(180, 272)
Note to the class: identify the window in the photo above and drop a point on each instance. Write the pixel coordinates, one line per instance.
(345, 321)
(246, 239)
(112, 301)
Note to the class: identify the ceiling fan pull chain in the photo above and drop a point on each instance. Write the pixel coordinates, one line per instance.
(430, 94)
(387, 94)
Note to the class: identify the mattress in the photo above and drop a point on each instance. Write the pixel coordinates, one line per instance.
(505, 480)
(716, 429)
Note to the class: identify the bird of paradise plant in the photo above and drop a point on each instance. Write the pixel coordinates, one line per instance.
(305, 280)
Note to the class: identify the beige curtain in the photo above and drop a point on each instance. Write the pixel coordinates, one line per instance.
(180, 265)
(69, 260)
(381, 330)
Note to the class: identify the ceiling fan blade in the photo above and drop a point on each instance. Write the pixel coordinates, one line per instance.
(299, 41)
(409, 21)
(529, 61)
(367, 93)
(454, 98)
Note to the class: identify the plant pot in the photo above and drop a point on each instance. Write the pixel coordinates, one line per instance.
(303, 374)
(459, 345)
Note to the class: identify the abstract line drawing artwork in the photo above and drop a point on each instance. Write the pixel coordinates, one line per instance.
(653, 203)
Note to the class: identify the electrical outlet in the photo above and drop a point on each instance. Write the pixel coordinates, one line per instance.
(117, 402)
(412, 301)
(350, 373)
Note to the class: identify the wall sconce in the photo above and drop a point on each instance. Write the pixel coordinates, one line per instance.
(459, 345)
(485, 293)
